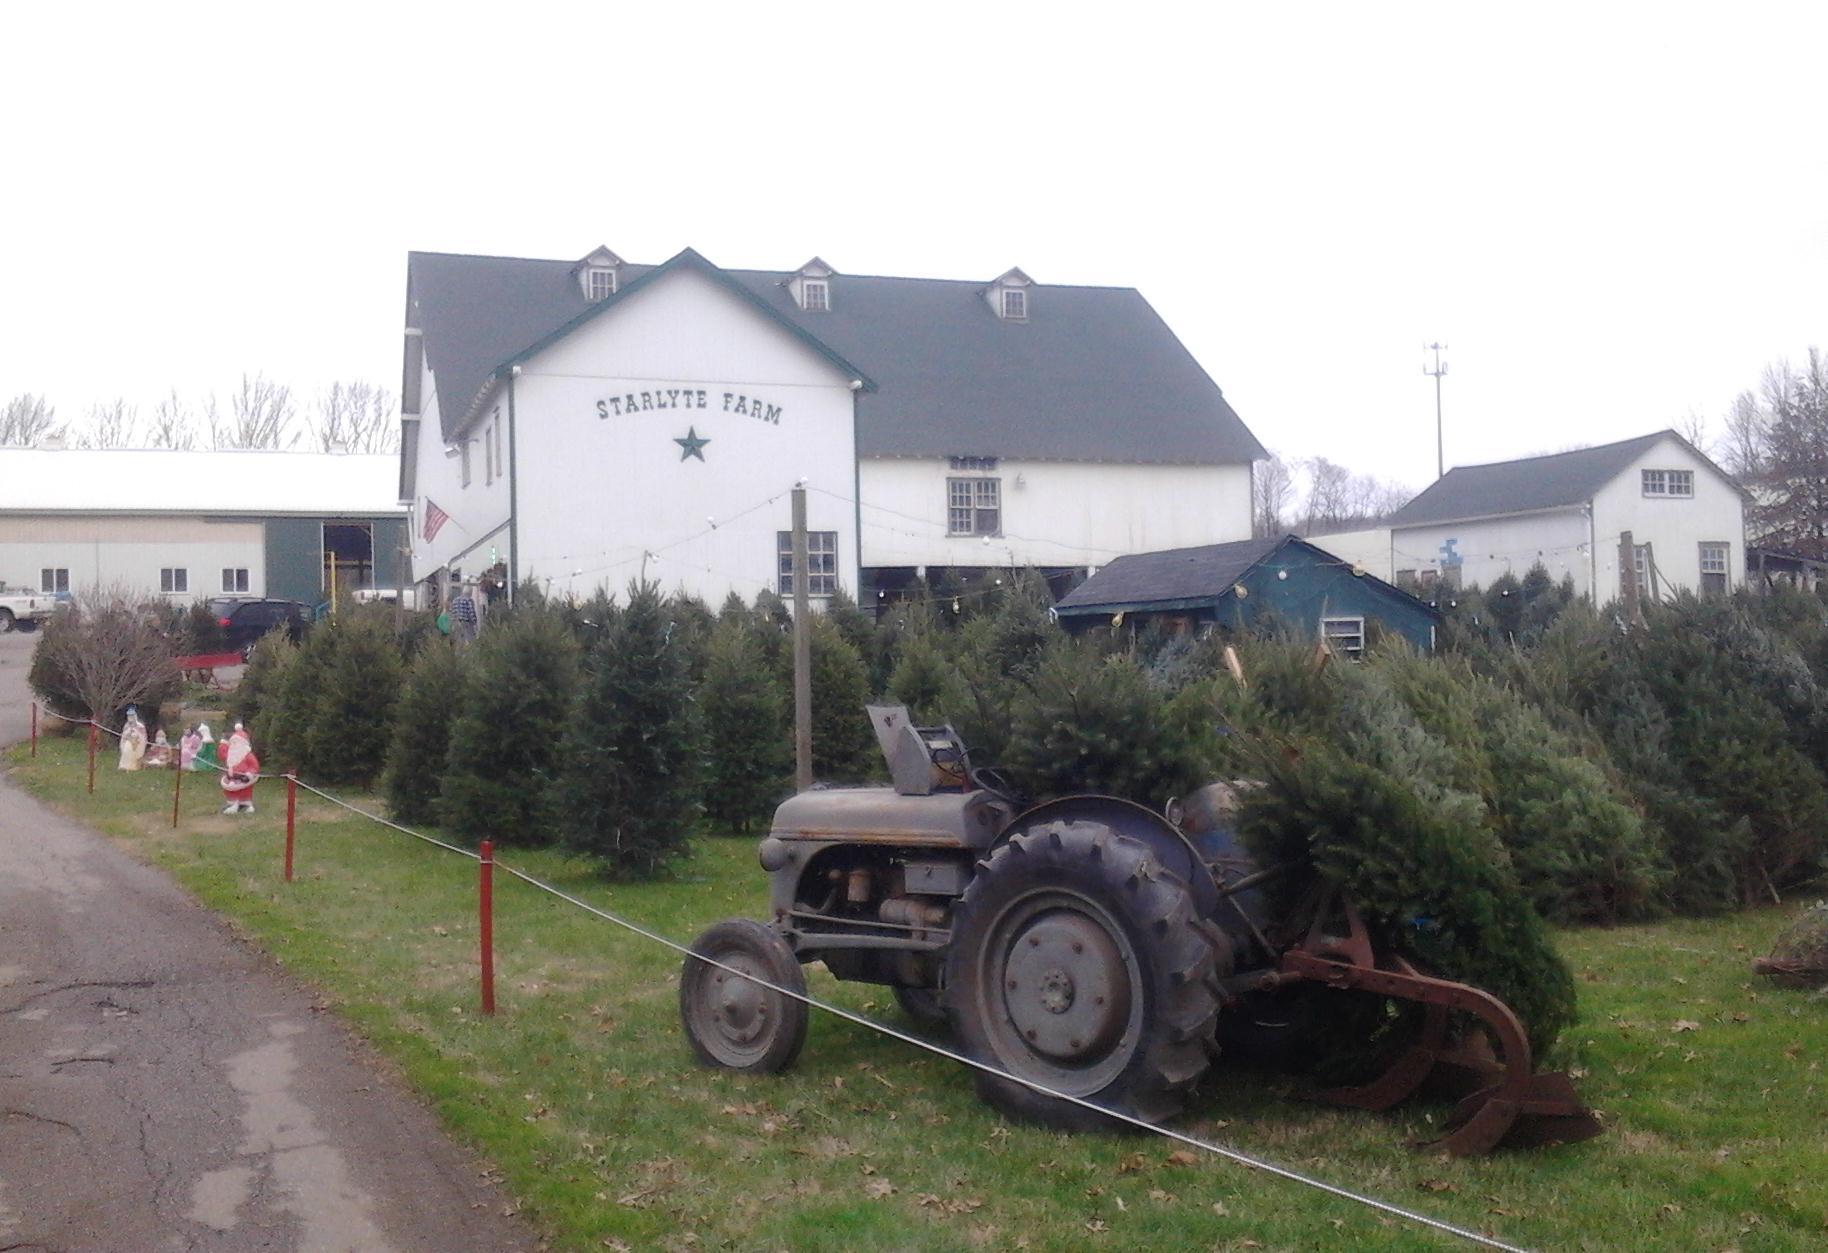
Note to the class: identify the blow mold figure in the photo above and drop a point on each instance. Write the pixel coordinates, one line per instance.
(240, 770)
(206, 758)
(133, 741)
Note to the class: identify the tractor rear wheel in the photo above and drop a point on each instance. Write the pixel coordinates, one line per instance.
(736, 1023)
(1078, 962)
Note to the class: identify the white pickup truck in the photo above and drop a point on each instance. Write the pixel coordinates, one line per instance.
(18, 605)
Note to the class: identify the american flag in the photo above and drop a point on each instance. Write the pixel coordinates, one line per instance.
(434, 518)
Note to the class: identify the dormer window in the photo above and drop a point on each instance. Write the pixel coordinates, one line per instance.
(810, 286)
(1008, 296)
(598, 274)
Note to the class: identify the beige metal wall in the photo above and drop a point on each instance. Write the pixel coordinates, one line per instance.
(131, 551)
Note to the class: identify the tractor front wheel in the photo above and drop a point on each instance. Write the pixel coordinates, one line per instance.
(735, 1022)
(1077, 962)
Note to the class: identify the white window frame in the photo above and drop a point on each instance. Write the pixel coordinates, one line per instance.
(1018, 298)
(977, 496)
(819, 288)
(821, 563)
(174, 579)
(1669, 484)
(235, 579)
(1722, 551)
(1640, 560)
(1347, 642)
(599, 284)
(53, 579)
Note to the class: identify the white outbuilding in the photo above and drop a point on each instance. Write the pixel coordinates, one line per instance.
(588, 422)
(1571, 512)
(189, 525)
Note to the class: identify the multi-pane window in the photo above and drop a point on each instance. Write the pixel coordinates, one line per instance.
(234, 578)
(1713, 567)
(601, 284)
(1345, 636)
(1641, 560)
(1669, 482)
(53, 579)
(174, 579)
(974, 506)
(1015, 303)
(821, 562)
(817, 295)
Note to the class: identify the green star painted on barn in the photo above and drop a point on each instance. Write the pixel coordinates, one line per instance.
(691, 445)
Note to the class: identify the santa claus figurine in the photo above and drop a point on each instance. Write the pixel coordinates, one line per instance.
(240, 769)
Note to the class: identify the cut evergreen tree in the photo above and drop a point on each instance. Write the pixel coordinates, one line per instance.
(843, 743)
(631, 760)
(429, 703)
(507, 744)
(349, 718)
(748, 737)
(925, 680)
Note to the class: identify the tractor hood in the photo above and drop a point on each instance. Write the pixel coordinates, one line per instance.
(879, 815)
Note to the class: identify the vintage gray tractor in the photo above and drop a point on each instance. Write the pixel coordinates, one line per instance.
(1092, 946)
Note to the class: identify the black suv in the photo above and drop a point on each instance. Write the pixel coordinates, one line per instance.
(245, 621)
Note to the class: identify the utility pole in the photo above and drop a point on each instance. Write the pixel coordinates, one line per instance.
(802, 649)
(1436, 372)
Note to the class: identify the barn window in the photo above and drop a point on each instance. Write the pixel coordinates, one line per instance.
(1669, 482)
(53, 580)
(1345, 636)
(816, 295)
(234, 578)
(821, 562)
(1015, 304)
(599, 285)
(1713, 567)
(974, 506)
(174, 579)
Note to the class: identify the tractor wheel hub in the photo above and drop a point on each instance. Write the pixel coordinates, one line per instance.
(1066, 987)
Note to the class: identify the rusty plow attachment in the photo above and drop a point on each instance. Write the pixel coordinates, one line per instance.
(1504, 1102)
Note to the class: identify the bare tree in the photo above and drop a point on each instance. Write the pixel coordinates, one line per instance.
(356, 417)
(28, 419)
(1272, 494)
(173, 425)
(1790, 488)
(260, 415)
(1339, 500)
(1693, 428)
(1746, 437)
(105, 652)
(110, 425)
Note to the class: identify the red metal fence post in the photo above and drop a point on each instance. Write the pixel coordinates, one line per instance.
(34, 728)
(93, 732)
(177, 790)
(291, 817)
(487, 885)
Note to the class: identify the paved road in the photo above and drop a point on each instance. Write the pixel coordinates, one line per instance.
(165, 1087)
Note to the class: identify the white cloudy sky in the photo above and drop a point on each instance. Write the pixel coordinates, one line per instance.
(1613, 214)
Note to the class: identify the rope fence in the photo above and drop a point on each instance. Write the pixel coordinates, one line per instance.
(487, 863)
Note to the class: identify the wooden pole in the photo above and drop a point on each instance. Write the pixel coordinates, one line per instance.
(802, 649)
(34, 728)
(291, 817)
(1628, 578)
(486, 906)
(177, 790)
(93, 732)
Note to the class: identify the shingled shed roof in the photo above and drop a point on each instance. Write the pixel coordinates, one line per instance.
(1559, 480)
(1091, 374)
(1173, 578)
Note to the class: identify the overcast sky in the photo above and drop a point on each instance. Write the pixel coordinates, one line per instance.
(1612, 214)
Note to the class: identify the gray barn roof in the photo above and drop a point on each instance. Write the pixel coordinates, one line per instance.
(1560, 480)
(1171, 578)
(1093, 374)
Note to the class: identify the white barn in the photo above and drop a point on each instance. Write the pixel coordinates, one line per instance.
(587, 422)
(1568, 511)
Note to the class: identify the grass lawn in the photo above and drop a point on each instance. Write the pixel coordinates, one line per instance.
(584, 1094)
